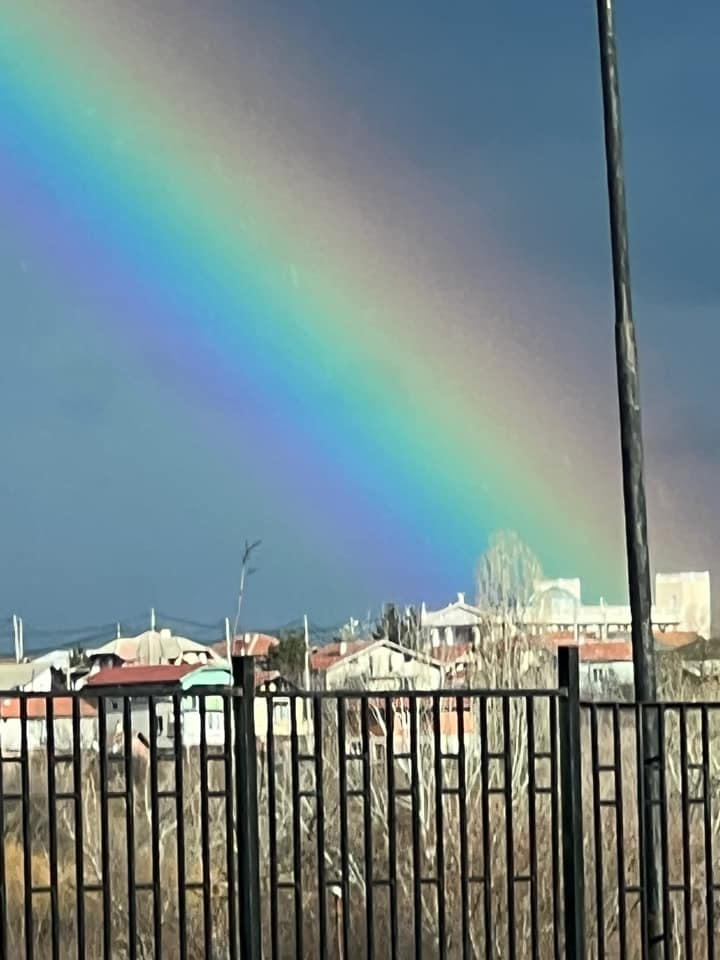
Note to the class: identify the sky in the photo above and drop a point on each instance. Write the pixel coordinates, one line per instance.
(436, 178)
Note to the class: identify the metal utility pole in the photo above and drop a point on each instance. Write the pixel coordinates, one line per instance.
(633, 486)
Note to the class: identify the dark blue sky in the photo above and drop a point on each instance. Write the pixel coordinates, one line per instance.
(499, 104)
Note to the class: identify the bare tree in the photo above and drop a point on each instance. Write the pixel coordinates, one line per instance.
(245, 571)
(507, 574)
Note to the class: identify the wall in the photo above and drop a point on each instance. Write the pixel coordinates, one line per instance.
(282, 717)
(689, 594)
(11, 735)
(382, 668)
(604, 677)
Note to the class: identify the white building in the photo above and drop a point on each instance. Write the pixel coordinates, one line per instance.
(36, 724)
(374, 665)
(458, 622)
(149, 649)
(26, 676)
(682, 603)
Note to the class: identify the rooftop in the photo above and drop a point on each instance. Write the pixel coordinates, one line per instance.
(333, 653)
(160, 675)
(15, 675)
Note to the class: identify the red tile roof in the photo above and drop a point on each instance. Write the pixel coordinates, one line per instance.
(248, 645)
(605, 650)
(333, 653)
(37, 708)
(162, 674)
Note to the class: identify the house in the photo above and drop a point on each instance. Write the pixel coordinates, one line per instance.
(202, 685)
(374, 665)
(606, 668)
(151, 648)
(701, 659)
(258, 645)
(36, 712)
(26, 676)
(686, 596)
(163, 683)
(273, 688)
(458, 622)
(193, 686)
(682, 604)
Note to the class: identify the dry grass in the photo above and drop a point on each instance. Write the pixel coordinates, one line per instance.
(451, 835)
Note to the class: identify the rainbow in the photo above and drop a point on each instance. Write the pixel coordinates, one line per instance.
(219, 249)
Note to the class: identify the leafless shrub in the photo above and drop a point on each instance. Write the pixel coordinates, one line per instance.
(492, 838)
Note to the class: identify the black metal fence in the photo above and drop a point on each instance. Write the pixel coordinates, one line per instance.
(456, 824)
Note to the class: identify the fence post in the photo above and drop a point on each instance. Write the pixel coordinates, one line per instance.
(571, 803)
(246, 799)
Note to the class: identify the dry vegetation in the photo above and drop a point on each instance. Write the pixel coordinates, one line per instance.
(456, 839)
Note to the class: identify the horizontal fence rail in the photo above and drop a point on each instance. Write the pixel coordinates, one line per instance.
(118, 841)
(689, 775)
(238, 823)
(410, 826)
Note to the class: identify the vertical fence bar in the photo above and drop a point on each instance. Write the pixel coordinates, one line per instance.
(130, 828)
(439, 826)
(317, 705)
(52, 829)
(26, 830)
(509, 834)
(598, 832)
(486, 840)
(416, 835)
(367, 830)
(247, 810)
(296, 798)
(180, 823)
(532, 827)
(686, 829)
(620, 832)
(3, 878)
(155, 828)
(642, 827)
(272, 826)
(79, 827)
(667, 928)
(708, 831)
(555, 822)
(206, 865)
(107, 905)
(392, 825)
(463, 827)
(344, 831)
(571, 802)
(230, 859)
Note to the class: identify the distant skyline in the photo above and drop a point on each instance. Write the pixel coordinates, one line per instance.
(435, 184)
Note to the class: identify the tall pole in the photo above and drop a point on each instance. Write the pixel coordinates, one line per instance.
(633, 483)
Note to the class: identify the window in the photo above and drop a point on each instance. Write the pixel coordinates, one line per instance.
(281, 711)
(214, 721)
